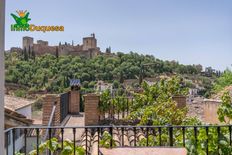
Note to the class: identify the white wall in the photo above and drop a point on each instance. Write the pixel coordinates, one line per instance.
(26, 111)
(2, 42)
(19, 143)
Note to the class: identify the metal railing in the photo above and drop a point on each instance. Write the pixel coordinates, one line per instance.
(117, 108)
(92, 138)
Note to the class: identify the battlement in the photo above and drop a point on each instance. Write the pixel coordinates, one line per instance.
(88, 48)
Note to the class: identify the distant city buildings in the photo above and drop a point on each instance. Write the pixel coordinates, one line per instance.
(102, 86)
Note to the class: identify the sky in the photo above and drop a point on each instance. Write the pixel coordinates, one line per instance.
(188, 31)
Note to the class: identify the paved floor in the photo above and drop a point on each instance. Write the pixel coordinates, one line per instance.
(74, 120)
(144, 151)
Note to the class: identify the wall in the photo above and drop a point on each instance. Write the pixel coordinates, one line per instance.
(2, 70)
(89, 48)
(26, 111)
(74, 102)
(91, 109)
(48, 102)
(89, 43)
(210, 111)
(19, 143)
(42, 49)
(180, 100)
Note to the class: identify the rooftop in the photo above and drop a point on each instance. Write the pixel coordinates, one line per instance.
(16, 103)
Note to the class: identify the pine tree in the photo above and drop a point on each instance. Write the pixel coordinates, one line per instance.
(29, 52)
(33, 54)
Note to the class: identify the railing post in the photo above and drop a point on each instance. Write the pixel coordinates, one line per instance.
(207, 140)
(37, 141)
(25, 141)
(13, 133)
(98, 139)
(122, 136)
(111, 134)
(171, 135)
(218, 133)
(86, 141)
(111, 140)
(183, 130)
(74, 140)
(49, 138)
(160, 138)
(135, 138)
(195, 135)
(230, 134)
(147, 129)
(62, 138)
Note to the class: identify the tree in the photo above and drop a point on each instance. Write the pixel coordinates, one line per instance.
(33, 54)
(25, 54)
(116, 84)
(225, 108)
(57, 53)
(155, 105)
(223, 81)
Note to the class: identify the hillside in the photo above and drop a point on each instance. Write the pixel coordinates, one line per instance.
(51, 74)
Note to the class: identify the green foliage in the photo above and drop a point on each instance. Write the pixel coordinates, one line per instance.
(20, 93)
(105, 101)
(155, 105)
(225, 108)
(106, 139)
(54, 146)
(48, 72)
(223, 81)
(119, 101)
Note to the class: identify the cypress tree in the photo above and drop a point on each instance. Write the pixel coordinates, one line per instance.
(57, 53)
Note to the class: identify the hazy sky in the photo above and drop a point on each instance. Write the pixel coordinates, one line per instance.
(189, 31)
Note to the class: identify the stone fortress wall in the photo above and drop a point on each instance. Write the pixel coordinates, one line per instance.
(88, 48)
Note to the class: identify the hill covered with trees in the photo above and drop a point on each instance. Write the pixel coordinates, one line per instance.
(52, 73)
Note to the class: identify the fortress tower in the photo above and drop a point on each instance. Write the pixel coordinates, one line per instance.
(89, 42)
(88, 49)
(27, 42)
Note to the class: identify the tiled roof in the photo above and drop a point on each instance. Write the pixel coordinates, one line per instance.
(17, 116)
(75, 82)
(15, 103)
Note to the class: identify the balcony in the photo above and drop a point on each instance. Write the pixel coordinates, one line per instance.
(97, 140)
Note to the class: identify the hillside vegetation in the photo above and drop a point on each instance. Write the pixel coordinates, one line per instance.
(52, 73)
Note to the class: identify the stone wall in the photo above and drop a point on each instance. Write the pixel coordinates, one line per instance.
(88, 49)
(40, 49)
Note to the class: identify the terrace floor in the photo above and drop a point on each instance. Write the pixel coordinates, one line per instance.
(74, 120)
(143, 151)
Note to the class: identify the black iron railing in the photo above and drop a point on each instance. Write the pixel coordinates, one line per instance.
(92, 138)
(116, 108)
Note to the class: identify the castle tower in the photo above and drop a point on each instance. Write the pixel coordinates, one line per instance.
(27, 43)
(90, 42)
